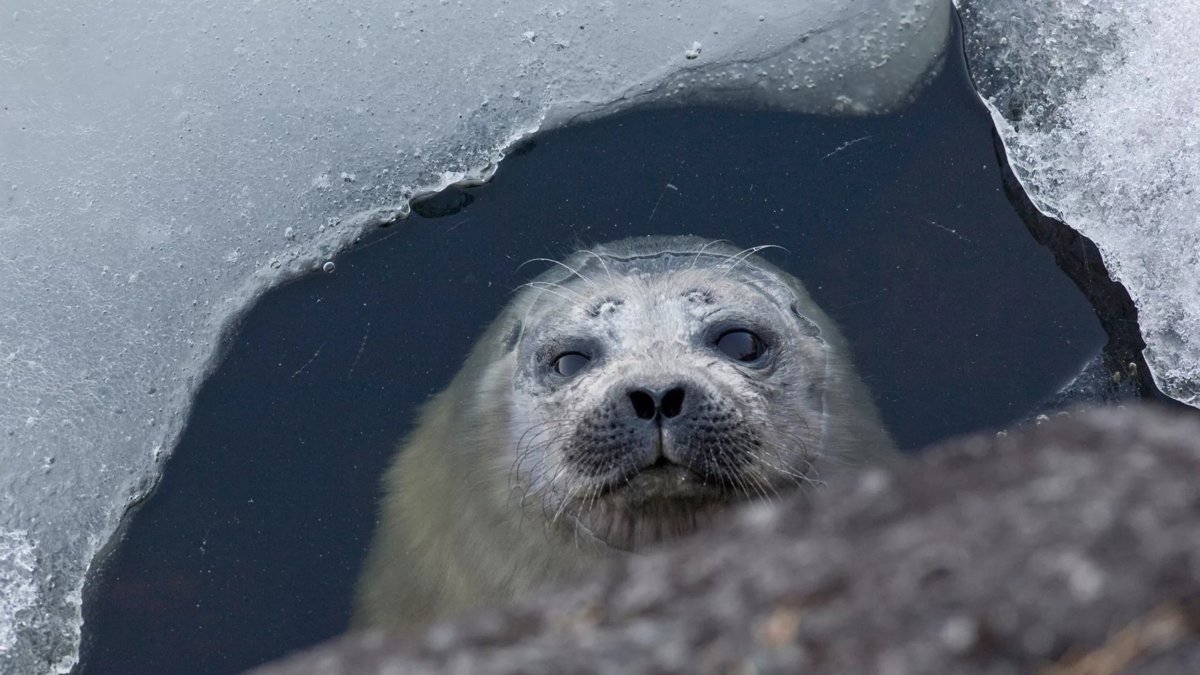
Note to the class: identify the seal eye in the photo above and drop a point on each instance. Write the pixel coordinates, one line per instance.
(570, 363)
(741, 345)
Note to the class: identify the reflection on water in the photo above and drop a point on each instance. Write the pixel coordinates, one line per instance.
(956, 320)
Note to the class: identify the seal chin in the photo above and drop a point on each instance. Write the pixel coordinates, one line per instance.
(663, 480)
(657, 503)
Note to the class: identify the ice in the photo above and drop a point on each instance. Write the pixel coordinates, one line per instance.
(18, 593)
(161, 164)
(1098, 103)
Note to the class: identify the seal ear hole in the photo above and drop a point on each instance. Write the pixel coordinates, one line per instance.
(807, 327)
(570, 363)
(741, 345)
(511, 337)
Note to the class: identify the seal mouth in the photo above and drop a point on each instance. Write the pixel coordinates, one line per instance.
(658, 502)
(663, 481)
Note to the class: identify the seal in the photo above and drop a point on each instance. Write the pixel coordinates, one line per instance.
(626, 396)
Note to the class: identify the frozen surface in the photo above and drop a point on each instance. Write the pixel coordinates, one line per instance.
(1098, 103)
(18, 592)
(163, 163)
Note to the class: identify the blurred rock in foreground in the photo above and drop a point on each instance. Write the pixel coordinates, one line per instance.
(1071, 547)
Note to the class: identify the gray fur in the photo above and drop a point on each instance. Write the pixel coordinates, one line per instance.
(518, 477)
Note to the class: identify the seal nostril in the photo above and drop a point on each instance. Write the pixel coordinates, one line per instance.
(644, 405)
(672, 402)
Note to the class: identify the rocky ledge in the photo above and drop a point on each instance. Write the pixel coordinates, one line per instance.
(1070, 547)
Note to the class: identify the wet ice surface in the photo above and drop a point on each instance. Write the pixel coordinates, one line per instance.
(17, 565)
(898, 225)
(164, 163)
(1098, 104)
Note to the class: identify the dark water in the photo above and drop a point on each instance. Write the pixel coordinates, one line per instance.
(898, 225)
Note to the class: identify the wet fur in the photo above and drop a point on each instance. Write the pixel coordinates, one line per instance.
(475, 513)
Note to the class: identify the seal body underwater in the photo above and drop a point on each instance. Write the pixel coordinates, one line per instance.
(624, 397)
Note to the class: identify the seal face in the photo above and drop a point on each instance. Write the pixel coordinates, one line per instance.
(650, 390)
(625, 396)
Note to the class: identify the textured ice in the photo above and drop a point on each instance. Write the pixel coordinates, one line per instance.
(18, 593)
(163, 163)
(1098, 102)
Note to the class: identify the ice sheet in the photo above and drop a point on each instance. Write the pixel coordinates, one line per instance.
(163, 163)
(1098, 103)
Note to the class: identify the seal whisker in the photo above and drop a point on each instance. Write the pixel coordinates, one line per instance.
(754, 477)
(798, 443)
(565, 503)
(565, 266)
(530, 439)
(799, 476)
(600, 258)
(552, 284)
(778, 469)
(761, 485)
(527, 445)
(741, 257)
(547, 289)
(704, 248)
(730, 473)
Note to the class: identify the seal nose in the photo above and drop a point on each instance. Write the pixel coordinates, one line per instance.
(650, 403)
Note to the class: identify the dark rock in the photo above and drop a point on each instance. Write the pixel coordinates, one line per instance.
(1068, 547)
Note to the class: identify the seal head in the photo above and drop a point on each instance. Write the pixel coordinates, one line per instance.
(624, 397)
(651, 388)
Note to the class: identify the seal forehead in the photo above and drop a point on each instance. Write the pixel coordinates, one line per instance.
(649, 292)
(603, 281)
(694, 287)
(602, 306)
